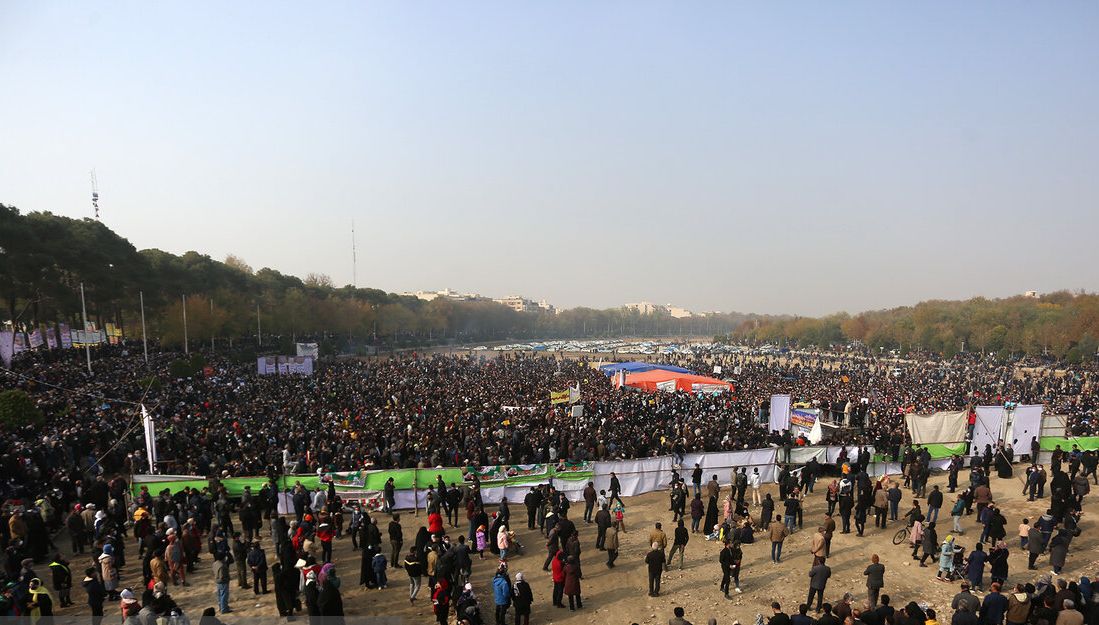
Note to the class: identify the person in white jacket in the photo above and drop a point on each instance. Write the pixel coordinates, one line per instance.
(754, 481)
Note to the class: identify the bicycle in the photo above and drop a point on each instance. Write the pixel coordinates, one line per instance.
(902, 535)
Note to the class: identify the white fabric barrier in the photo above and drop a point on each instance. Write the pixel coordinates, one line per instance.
(780, 413)
(826, 454)
(940, 427)
(1026, 423)
(643, 475)
(646, 475)
(722, 463)
(986, 431)
(878, 469)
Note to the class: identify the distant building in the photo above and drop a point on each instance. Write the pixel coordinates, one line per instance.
(548, 307)
(679, 312)
(517, 303)
(647, 308)
(449, 294)
(1031, 294)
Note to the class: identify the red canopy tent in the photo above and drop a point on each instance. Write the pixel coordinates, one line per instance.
(668, 380)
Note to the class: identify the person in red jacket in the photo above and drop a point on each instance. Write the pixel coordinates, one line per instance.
(440, 601)
(558, 569)
(325, 534)
(435, 524)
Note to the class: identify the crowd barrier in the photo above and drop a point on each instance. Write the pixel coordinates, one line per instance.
(637, 477)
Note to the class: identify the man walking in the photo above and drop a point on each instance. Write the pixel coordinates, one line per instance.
(602, 524)
(818, 579)
(730, 559)
(679, 543)
(589, 501)
(875, 580)
(656, 562)
(779, 532)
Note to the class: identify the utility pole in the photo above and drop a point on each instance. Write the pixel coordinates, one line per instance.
(84, 314)
(259, 328)
(354, 259)
(211, 324)
(144, 343)
(186, 349)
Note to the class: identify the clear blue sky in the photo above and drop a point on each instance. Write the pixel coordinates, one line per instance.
(770, 157)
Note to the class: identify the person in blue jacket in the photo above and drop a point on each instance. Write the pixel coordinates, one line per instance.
(501, 593)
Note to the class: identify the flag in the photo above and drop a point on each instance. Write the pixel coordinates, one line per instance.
(559, 397)
(150, 438)
(574, 393)
(7, 347)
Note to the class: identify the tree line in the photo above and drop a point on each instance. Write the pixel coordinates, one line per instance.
(1063, 325)
(44, 258)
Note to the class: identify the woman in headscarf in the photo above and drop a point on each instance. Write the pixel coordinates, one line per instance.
(913, 615)
(39, 602)
(465, 602)
(329, 600)
(423, 539)
(493, 534)
(1058, 549)
(946, 560)
(366, 567)
(832, 496)
(998, 565)
(312, 593)
(711, 514)
(503, 542)
(572, 583)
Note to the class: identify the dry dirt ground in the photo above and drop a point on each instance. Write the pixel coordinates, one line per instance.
(619, 595)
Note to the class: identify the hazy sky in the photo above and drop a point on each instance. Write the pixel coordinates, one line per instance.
(769, 157)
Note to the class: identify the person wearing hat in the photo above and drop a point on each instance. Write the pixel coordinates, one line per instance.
(77, 531)
(39, 604)
(221, 581)
(501, 593)
(95, 591)
(128, 604)
(108, 572)
(62, 579)
(240, 558)
(522, 597)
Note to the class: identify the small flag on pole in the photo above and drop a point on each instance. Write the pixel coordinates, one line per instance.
(150, 439)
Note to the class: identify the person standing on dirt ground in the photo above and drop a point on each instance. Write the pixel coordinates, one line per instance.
(602, 524)
(589, 501)
(779, 532)
(818, 580)
(656, 561)
(696, 479)
(875, 580)
(611, 545)
(829, 530)
(754, 481)
(616, 488)
(730, 559)
(881, 504)
(658, 537)
(679, 543)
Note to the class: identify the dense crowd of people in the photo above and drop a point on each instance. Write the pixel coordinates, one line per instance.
(67, 475)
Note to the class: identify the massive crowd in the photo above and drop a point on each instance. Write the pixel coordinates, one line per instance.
(437, 410)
